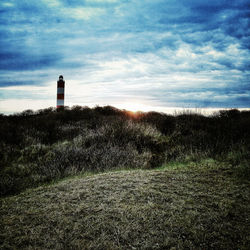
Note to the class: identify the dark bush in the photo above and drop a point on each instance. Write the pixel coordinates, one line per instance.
(41, 146)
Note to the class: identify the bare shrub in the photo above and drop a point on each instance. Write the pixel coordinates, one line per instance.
(105, 148)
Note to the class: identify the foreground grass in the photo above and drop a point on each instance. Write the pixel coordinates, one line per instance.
(176, 207)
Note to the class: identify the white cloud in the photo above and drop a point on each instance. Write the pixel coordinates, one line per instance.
(52, 3)
(26, 88)
(9, 106)
(102, 1)
(83, 13)
(7, 4)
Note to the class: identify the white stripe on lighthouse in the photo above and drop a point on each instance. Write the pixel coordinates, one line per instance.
(60, 102)
(60, 90)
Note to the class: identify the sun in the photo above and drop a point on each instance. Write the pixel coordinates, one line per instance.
(134, 107)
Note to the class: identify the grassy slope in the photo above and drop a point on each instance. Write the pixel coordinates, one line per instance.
(199, 207)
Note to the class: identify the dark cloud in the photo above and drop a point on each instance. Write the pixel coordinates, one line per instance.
(10, 83)
(243, 101)
(17, 61)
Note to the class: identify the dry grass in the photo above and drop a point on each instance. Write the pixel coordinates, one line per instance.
(186, 207)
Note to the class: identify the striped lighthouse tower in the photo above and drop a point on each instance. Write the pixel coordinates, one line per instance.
(60, 92)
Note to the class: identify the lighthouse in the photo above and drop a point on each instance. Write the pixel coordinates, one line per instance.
(60, 92)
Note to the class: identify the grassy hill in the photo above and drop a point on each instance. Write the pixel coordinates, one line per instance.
(193, 206)
(105, 178)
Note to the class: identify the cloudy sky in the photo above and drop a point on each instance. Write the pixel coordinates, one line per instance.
(133, 54)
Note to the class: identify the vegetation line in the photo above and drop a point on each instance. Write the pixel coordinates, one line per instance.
(49, 145)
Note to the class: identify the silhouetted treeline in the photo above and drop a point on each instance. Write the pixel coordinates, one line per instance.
(40, 146)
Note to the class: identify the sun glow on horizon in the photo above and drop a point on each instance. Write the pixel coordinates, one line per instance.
(135, 107)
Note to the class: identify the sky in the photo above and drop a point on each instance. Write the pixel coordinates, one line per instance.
(132, 54)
